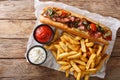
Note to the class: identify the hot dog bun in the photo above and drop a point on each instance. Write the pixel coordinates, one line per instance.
(74, 31)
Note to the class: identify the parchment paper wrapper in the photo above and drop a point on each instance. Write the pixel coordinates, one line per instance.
(112, 23)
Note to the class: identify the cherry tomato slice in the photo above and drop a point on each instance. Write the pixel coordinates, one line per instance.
(93, 27)
(63, 13)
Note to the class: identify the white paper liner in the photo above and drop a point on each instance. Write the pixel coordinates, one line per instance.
(112, 23)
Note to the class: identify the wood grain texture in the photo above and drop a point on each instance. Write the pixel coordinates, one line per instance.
(18, 68)
(16, 48)
(13, 48)
(118, 32)
(17, 5)
(17, 15)
(23, 11)
(16, 28)
(116, 48)
(113, 69)
(19, 28)
(17, 9)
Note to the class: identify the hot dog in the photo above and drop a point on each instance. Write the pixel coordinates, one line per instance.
(76, 24)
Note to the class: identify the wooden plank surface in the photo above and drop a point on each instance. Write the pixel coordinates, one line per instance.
(17, 5)
(12, 48)
(18, 67)
(23, 11)
(15, 48)
(17, 9)
(116, 48)
(11, 10)
(19, 28)
(16, 28)
(16, 23)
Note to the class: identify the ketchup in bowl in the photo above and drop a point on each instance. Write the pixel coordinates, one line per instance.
(43, 33)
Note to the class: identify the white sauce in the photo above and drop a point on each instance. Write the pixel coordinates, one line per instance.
(37, 55)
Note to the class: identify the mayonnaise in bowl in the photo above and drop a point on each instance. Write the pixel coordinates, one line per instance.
(37, 55)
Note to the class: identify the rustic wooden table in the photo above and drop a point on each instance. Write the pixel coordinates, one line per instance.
(16, 23)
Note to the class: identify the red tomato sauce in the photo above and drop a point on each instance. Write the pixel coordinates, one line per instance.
(43, 34)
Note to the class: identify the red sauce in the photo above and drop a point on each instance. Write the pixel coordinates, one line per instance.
(43, 34)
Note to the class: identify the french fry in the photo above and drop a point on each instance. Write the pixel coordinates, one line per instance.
(75, 47)
(75, 66)
(74, 56)
(82, 75)
(92, 64)
(84, 54)
(78, 38)
(75, 74)
(46, 46)
(62, 62)
(67, 73)
(69, 35)
(91, 50)
(78, 76)
(99, 50)
(71, 38)
(73, 52)
(104, 49)
(71, 69)
(72, 47)
(90, 71)
(56, 35)
(86, 40)
(79, 62)
(63, 46)
(75, 42)
(59, 48)
(65, 54)
(84, 59)
(83, 48)
(66, 67)
(67, 38)
(63, 39)
(98, 60)
(69, 45)
(82, 67)
(105, 56)
(50, 47)
(90, 44)
(90, 61)
(65, 59)
(86, 77)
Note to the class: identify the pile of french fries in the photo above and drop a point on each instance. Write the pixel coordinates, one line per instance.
(78, 56)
